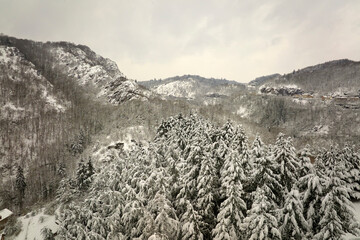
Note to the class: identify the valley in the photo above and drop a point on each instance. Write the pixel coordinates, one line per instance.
(115, 158)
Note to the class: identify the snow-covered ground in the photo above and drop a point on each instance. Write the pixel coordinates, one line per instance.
(243, 112)
(32, 225)
(185, 89)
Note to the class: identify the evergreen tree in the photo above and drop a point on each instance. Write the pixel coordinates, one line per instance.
(207, 194)
(90, 168)
(257, 150)
(233, 207)
(312, 190)
(62, 170)
(261, 222)
(267, 178)
(20, 185)
(191, 224)
(336, 214)
(82, 175)
(304, 162)
(287, 162)
(293, 224)
(352, 170)
(160, 218)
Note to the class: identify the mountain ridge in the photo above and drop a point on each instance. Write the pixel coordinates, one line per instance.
(192, 87)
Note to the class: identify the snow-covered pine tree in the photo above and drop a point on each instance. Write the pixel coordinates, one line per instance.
(287, 162)
(258, 150)
(62, 170)
(328, 157)
(160, 218)
(233, 207)
(20, 185)
(221, 140)
(312, 190)
(352, 170)
(99, 214)
(261, 222)
(207, 195)
(267, 178)
(82, 175)
(240, 144)
(133, 211)
(304, 161)
(292, 222)
(66, 191)
(191, 166)
(336, 214)
(190, 224)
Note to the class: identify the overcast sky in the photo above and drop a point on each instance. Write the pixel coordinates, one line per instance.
(238, 40)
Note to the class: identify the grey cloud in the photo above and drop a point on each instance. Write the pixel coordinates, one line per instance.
(152, 38)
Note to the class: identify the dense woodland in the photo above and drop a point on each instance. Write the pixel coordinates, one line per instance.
(195, 180)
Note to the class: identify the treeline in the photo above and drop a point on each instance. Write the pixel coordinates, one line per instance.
(199, 181)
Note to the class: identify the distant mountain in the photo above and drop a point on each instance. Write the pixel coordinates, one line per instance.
(261, 80)
(337, 77)
(193, 87)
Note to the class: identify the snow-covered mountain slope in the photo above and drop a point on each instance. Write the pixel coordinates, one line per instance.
(88, 68)
(19, 76)
(80, 64)
(193, 87)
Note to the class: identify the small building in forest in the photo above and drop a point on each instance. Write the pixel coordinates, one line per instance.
(5, 216)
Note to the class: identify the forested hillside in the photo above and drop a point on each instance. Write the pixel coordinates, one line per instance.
(195, 180)
(54, 98)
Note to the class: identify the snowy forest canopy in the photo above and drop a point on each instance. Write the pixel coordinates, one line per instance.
(199, 181)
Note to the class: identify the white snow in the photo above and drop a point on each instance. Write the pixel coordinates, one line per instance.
(32, 225)
(290, 86)
(184, 89)
(51, 100)
(4, 55)
(242, 112)
(5, 213)
(80, 68)
(11, 106)
(300, 101)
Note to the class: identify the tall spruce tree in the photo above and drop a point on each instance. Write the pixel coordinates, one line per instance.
(292, 222)
(287, 162)
(261, 221)
(267, 178)
(336, 214)
(233, 207)
(20, 185)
